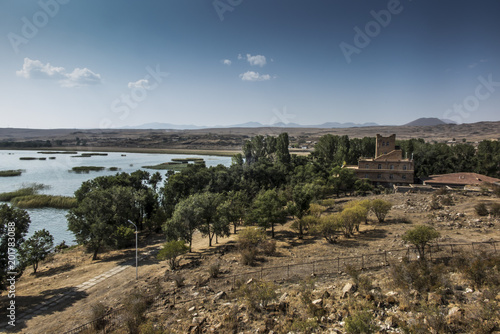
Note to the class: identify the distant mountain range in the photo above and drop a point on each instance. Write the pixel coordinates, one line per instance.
(327, 125)
(431, 121)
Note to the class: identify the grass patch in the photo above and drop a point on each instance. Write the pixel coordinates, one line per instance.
(24, 191)
(57, 152)
(6, 173)
(168, 166)
(88, 155)
(87, 169)
(44, 201)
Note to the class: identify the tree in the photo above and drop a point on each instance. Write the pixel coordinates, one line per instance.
(233, 208)
(92, 220)
(351, 217)
(268, 210)
(14, 224)
(171, 251)
(329, 227)
(298, 207)
(380, 208)
(36, 248)
(342, 180)
(211, 223)
(420, 236)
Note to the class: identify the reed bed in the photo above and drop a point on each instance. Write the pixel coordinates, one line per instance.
(44, 201)
(6, 173)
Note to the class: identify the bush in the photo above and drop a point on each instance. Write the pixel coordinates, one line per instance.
(360, 322)
(420, 236)
(135, 305)
(171, 251)
(268, 247)
(124, 237)
(421, 276)
(329, 227)
(252, 241)
(380, 208)
(257, 294)
(481, 209)
(447, 200)
(98, 311)
(248, 256)
(214, 270)
(495, 210)
(178, 280)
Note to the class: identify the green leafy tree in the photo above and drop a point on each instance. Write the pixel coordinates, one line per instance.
(268, 210)
(351, 217)
(342, 180)
(171, 251)
(36, 248)
(184, 221)
(380, 208)
(233, 208)
(14, 224)
(299, 206)
(211, 223)
(92, 221)
(420, 236)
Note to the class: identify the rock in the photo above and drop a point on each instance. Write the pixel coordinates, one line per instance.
(318, 302)
(454, 315)
(326, 295)
(348, 289)
(391, 300)
(369, 296)
(191, 309)
(391, 321)
(283, 297)
(198, 320)
(219, 295)
(249, 281)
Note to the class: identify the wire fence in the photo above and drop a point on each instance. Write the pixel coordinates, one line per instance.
(328, 266)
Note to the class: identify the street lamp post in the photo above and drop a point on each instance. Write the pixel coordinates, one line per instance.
(135, 249)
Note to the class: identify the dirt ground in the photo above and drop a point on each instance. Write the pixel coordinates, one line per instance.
(457, 223)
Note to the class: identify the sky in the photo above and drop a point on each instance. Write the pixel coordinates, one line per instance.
(117, 63)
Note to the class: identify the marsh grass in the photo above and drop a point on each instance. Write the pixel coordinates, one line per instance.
(6, 173)
(44, 201)
(86, 169)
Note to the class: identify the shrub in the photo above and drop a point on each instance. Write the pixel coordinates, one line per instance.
(124, 237)
(442, 191)
(481, 209)
(178, 280)
(447, 200)
(268, 247)
(171, 251)
(360, 322)
(380, 208)
(214, 270)
(98, 311)
(135, 306)
(420, 236)
(495, 210)
(257, 294)
(251, 241)
(329, 227)
(306, 297)
(248, 256)
(418, 275)
(250, 237)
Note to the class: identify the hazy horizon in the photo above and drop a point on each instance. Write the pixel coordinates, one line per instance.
(113, 64)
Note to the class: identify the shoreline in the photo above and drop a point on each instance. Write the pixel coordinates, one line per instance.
(221, 153)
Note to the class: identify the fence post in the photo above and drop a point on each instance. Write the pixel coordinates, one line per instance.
(494, 247)
(385, 257)
(430, 252)
(288, 271)
(261, 269)
(338, 264)
(313, 266)
(451, 245)
(472, 244)
(362, 261)
(234, 281)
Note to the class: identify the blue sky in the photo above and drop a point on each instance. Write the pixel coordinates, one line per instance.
(113, 63)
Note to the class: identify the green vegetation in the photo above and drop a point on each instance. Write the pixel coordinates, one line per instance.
(420, 236)
(177, 164)
(14, 224)
(6, 173)
(87, 169)
(105, 204)
(89, 155)
(171, 251)
(57, 152)
(44, 201)
(25, 191)
(36, 248)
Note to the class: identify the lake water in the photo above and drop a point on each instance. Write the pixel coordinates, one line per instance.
(55, 174)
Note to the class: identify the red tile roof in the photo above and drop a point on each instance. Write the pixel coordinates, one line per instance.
(460, 179)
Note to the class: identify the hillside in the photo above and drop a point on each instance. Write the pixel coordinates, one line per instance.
(301, 296)
(231, 139)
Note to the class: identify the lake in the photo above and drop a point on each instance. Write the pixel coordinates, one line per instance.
(55, 174)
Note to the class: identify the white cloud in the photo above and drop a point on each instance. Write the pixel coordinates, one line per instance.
(35, 69)
(472, 65)
(227, 62)
(142, 83)
(257, 60)
(254, 76)
(240, 57)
